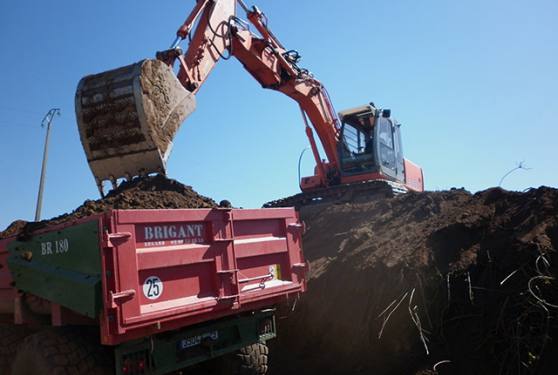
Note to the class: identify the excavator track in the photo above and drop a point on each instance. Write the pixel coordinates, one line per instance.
(341, 193)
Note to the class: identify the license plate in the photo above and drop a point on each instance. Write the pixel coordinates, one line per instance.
(189, 342)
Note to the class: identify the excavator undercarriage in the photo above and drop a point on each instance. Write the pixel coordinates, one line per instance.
(365, 190)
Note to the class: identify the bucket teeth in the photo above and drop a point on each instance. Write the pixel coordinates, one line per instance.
(128, 117)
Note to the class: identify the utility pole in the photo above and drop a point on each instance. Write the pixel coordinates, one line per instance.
(47, 121)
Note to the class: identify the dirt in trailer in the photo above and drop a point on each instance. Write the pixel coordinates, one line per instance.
(431, 283)
(151, 192)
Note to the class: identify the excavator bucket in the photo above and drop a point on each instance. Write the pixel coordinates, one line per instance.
(128, 117)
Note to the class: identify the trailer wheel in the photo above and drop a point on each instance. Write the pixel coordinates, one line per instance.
(11, 336)
(251, 360)
(66, 351)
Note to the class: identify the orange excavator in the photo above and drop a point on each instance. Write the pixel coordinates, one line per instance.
(128, 117)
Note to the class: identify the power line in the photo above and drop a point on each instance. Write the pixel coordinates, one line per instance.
(26, 116)
(4, 122)
(20, 110)
(520, 165)
(9, 123)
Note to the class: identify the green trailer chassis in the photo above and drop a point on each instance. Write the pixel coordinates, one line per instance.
(175, 350)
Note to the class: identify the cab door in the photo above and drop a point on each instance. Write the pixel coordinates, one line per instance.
(388, 150)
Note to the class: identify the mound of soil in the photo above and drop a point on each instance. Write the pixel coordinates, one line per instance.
(152, 192)
(439, 282)
(432, 283)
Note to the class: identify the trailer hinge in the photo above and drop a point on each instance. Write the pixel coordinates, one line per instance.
(227, 298)
(297, 226)
(300, 266)
(223, 240)
(227, 272)
(121, 297)
(113, 239)
(230, 276)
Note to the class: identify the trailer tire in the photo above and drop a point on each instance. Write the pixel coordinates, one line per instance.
(252, 360)
(11, 337)
(67, 351)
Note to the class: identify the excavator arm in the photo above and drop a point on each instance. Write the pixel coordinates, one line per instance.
(128, 117)
(219, 33)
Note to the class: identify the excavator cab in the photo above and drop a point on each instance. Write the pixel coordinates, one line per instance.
(370, 143)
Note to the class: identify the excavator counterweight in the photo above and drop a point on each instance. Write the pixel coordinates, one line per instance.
(128, 117)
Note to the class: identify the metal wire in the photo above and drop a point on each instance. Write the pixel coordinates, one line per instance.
(299, 162)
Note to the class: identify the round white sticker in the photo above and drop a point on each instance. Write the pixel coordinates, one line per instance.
(152, 287)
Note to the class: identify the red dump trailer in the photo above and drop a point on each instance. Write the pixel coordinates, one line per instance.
(148, 291)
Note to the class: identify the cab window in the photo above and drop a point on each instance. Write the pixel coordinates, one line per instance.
(386, 135)
(356, 150)
(387, 151)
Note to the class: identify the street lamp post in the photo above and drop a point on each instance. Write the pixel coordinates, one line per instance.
(47, 121)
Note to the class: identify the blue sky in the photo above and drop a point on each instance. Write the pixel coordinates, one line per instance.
(473, 83)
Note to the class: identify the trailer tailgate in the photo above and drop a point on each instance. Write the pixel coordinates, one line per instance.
(165, 269)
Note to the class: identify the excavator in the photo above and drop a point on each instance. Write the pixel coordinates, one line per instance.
(128, 117)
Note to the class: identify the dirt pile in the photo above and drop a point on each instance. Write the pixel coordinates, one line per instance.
(460, 282)
(152, 192)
